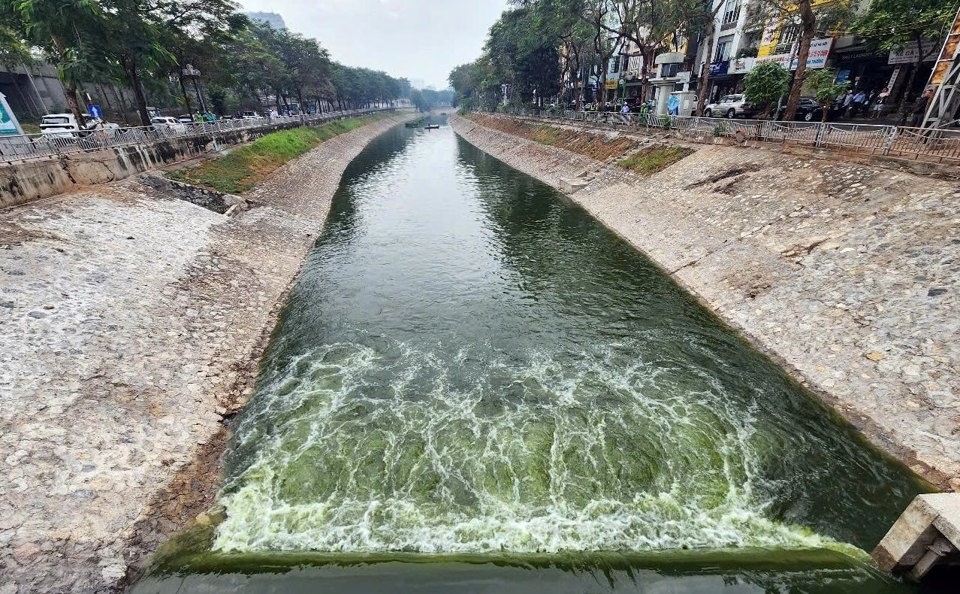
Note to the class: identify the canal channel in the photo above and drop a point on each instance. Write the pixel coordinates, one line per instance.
(476, 387)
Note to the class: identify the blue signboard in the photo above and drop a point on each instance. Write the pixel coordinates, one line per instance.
(719, 68)
(95, 112)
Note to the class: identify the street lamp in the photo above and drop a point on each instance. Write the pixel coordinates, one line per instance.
(193, 74)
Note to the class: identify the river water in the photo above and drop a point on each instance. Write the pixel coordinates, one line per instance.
(476, 387)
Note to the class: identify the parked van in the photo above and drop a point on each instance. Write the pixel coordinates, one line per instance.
(59, 125)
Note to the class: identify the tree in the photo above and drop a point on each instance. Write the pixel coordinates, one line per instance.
(824, 86)
(64, 31)
(471, 85)
(419, 101)
(524, 56)
(147, 43)
(12, 49)
(704, 79)
(766, 83)
(884, 26)
(802, 17)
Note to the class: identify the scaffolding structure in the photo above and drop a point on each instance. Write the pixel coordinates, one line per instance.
(945, 80)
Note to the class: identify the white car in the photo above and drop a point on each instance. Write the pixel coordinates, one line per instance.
(168, 125)
(59, 125)
(730, 106)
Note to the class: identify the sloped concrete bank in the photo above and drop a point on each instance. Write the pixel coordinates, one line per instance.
(133, 323)
(846, 274)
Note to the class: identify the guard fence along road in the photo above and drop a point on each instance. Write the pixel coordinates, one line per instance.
(937, 145)
(38, 146)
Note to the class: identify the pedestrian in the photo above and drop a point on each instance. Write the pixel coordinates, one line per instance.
(879, 103)
(847, 102)
(859, 103)
(625, 108)
(919, 108)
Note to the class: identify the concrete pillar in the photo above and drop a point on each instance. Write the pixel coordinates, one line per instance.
(925, 535)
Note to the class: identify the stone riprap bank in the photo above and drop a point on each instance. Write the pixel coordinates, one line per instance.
(844, 273)
(132, 323)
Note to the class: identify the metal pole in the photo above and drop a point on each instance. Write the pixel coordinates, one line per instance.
(196, 87)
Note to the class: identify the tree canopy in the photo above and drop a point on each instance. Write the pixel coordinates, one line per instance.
(145, 45)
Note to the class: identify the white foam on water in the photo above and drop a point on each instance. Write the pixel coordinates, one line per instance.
(354, 448)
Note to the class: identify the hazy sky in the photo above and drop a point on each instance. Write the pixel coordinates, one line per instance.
(418, 39)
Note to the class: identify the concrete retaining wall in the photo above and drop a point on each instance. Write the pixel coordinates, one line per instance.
(28, 181)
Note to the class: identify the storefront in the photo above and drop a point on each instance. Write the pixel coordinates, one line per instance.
(871, 70)
(726, 78)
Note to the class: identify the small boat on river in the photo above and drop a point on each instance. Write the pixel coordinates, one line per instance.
(432, 127)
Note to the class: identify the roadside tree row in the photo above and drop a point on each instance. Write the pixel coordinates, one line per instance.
(561, 50)
(146, 46)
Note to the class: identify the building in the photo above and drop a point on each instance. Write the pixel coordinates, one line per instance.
(268, 18)
(732, 54)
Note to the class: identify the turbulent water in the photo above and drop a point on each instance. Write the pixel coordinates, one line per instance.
(471, 364)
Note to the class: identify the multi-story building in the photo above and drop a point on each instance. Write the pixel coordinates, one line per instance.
(736, 42)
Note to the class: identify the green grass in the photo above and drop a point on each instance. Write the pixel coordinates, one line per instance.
(242, 169)
(655, 158)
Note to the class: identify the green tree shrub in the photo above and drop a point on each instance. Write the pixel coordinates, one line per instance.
(765, 84)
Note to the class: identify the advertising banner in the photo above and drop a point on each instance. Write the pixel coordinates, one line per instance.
(908, 55)
(9, 126)
(817, 58)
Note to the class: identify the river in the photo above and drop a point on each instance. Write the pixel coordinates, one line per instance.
(476, 387)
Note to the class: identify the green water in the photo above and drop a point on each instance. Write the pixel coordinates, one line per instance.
(471, 372)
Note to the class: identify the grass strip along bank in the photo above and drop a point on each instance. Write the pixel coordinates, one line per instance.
(244, 168)
(653, 159)
(596, 146)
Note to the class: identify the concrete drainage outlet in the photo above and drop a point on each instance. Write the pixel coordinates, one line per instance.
(219, 202)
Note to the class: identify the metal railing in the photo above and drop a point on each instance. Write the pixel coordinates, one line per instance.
(40, 146)
(937, 145)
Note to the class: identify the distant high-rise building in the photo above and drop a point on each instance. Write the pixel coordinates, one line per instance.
(418, 83)
(270, 18)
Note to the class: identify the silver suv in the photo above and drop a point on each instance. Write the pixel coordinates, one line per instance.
(730, 106)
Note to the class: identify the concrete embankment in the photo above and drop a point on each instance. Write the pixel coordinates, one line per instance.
(23, 181)
(132, 327)
(845, 273)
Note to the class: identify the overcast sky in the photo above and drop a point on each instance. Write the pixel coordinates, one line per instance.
(417, 39)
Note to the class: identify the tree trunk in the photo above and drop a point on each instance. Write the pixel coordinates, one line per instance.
(704, 81)
(808, 22)
(186, 96)
(122, 100)
(133, 77)
(74, 103)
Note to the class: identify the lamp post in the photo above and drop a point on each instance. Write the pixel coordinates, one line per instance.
(193, 74)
